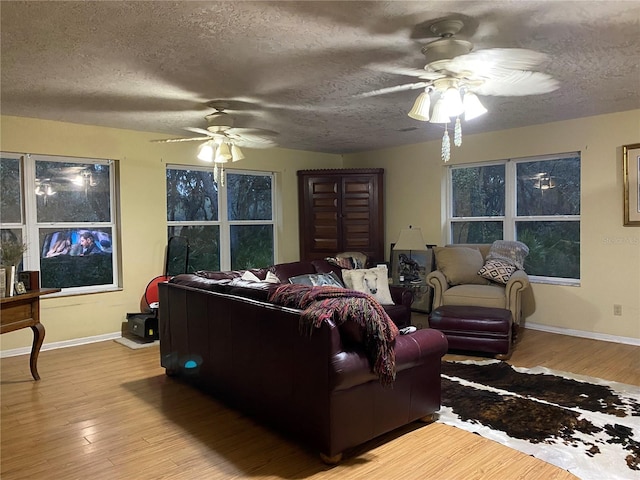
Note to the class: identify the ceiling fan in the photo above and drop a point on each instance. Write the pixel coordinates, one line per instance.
(222, 140)
(454, 76)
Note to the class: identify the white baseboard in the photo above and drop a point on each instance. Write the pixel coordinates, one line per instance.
(533, 326)
(580, 333)
(64, 344)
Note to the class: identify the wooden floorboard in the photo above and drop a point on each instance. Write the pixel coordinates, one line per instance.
(104, 411)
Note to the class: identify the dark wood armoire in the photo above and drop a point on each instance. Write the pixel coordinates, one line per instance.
(341, 210)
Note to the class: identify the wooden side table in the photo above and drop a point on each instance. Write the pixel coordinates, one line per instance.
(423, 295)
(21, 311)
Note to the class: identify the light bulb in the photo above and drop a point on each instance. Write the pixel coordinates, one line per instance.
(206, 152)
(453, 102)
(472, 106)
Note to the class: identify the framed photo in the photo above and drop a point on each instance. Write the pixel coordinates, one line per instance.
(410, 263)
(20, 288)
(631, 180)
(414, 267)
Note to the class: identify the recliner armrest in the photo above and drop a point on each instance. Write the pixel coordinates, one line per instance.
(438, 282)
(518, 282)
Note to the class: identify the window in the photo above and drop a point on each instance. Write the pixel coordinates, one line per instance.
(533, 200)
(62, 208)
(228, 226)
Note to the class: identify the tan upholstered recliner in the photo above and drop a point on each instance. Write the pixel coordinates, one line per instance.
(456, 281)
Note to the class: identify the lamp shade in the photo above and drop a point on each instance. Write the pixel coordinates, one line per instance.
(236, 153)
(472, 106)
(420, 110)
(206, 152)
(410, 239)
(223, 154)
(439, 114)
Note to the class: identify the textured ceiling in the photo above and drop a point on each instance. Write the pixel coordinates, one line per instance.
(297, 67)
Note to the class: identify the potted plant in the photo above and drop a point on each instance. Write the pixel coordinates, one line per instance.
(11, 252)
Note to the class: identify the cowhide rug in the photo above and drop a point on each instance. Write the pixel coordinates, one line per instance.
(587, 426)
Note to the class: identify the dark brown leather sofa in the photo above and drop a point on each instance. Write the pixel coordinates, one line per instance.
(227, 339)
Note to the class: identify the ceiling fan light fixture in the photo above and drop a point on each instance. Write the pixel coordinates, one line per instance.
(223, 153)
(453, 102)
(439, 114)
(473, 108)
(421, 107)
(206, 152)
(236, 153)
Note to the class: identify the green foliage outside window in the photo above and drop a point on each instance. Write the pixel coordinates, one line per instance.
(539, 192)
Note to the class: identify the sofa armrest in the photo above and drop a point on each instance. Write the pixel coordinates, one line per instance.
(438, 282)
(518, 282)
(401, 295)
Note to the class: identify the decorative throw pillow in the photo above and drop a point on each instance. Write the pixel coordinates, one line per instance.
(345, 263)
(249, 276)
(460, 265)
(271, 278)
(374, 281)
(497, 270)
(318, 279)
(509, 251)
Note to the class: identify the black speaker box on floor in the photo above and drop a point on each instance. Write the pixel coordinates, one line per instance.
(143, 325)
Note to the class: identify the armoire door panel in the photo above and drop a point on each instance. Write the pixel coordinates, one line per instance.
(341, 210)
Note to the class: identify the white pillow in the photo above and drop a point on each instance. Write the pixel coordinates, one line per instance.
(249, 276)
(374, 281)
(271, 278)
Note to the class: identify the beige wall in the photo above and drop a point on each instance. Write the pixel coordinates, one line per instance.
(413, 184)
(143, 212)
(610, 252)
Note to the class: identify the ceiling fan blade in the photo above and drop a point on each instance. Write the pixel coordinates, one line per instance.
(409, 72)
(251, 141)
(397, 88)
(518, 83)
(248, 143)
(201, 130)
(257, 132)
(172, 140)
(483, 62)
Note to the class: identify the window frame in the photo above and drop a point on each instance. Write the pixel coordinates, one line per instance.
(31, 228)
(223, 223)
(510, 217)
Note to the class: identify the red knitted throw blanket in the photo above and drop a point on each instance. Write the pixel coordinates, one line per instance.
(323, 303)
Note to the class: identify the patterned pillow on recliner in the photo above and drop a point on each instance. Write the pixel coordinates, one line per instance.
(509, 251)
(497, 271)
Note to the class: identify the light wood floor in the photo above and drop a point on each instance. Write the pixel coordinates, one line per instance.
(103, 411)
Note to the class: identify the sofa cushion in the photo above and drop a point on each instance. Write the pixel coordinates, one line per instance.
(258, 272)
(460, 265)
(497, 270)
(374, 281)
(284, 271)
(318, 279)
(324, 266)
(475, 295)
